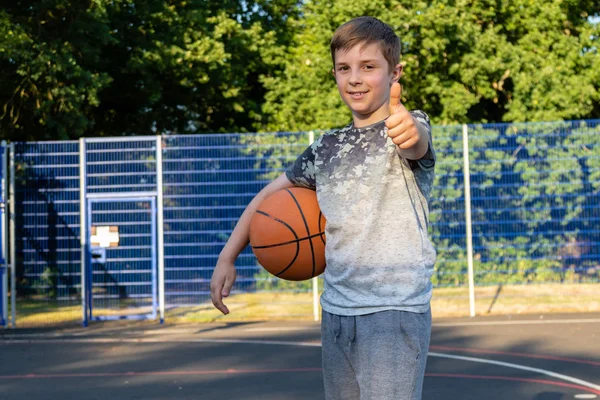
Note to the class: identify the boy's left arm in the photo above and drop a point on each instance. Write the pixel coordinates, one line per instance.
(407, 132)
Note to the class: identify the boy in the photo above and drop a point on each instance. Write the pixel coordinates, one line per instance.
(373, 180)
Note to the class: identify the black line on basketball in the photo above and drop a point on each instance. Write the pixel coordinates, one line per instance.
(321, 228)
(312, 250)
(292, 262)
(289, 241)
(278, 220)
(297, 241)
(323, 238)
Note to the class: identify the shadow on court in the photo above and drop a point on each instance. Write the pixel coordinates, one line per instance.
(538, 357)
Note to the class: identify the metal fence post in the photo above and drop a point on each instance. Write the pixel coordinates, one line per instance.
(315, 280)
(83, 227)
(13, 248)
(160, 230)
(4, 237)
(468, 222)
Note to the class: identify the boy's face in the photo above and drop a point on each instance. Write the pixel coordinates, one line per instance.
(364, 79)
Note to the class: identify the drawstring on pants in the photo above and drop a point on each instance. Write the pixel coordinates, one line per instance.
(351, 331)
(349, 325)
(337, 326)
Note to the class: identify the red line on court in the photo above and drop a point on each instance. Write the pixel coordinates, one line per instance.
(508, 353)
(508, 378)
(158, 373)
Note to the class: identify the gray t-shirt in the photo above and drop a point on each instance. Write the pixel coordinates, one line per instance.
(378, 252)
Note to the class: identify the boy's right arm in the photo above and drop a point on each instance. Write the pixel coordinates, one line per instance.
(224, 273)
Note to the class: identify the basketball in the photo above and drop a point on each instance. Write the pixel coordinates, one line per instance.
(287, 234)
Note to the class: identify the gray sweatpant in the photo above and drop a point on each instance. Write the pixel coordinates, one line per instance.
(378, 356)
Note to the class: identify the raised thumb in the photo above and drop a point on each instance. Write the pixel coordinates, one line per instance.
(395, 97)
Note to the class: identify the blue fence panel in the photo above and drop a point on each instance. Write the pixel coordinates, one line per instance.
(124, 281)
(3, 242)
(125, 284)
(3, 180)
(535, 202)
(447, 208)
(208, 182)
(117, 166)
(47, 223)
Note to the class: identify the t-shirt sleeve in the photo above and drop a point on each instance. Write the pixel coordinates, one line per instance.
(303, 171)
(427, 162)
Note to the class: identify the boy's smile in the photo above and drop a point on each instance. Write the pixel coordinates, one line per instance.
(364, 79)
(357, 95)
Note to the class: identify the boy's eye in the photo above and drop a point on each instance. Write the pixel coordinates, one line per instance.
(368, 66)
(343, 68)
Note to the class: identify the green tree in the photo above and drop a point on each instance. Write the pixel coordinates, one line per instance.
(126, 67)
(465, 61)
(45, 84)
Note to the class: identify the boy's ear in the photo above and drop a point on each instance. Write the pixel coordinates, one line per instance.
(396, 73)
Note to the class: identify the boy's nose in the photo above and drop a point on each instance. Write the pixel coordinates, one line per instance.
(355, 78)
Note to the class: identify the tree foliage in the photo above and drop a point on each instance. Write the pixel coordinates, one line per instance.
(126, 67)
(466, 61)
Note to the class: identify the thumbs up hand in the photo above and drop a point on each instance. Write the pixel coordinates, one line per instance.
(404, 130)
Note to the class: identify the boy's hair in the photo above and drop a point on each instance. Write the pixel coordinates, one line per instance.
(366, 31)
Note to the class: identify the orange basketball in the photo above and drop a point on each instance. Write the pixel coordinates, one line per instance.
(287, 234)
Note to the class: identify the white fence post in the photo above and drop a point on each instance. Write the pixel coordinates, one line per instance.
(4, 235)
(315, 280)
(13, 248)
(160, 230)
(468, 222)
(83, 226)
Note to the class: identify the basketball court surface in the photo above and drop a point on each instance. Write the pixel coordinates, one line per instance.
(535, 357)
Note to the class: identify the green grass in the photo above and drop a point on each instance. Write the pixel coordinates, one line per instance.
(446, 302)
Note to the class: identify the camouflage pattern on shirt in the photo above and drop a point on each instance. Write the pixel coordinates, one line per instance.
(379, 255)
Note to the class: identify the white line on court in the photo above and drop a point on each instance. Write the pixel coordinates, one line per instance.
(519, 366)
(297, 344)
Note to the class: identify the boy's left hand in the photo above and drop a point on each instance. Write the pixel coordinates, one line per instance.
(401, 126)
